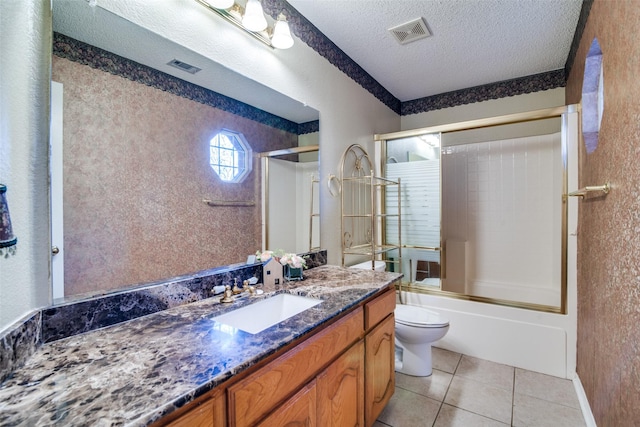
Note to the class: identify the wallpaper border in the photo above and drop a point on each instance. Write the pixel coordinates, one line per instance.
(100, 59)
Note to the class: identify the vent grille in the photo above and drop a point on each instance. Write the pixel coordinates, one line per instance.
(410, 31)
(183, 66)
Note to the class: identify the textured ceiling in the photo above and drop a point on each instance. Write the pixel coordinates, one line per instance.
(473, 42)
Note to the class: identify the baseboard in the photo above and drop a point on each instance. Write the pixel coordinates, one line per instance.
(584, 403)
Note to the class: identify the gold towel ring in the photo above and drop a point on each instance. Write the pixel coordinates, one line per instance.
(334, 185)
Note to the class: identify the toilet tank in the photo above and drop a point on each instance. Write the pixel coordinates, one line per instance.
(379, 265)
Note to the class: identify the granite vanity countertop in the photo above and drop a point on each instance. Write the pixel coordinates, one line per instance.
(136, 372)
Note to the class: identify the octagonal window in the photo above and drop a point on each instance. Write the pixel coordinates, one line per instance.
(230, 156)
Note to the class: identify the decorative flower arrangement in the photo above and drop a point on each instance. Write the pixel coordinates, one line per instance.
(287, 259)
(293, 261)
(265, 255)
(293, 264)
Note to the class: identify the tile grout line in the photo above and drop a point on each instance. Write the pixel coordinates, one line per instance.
(513, 395)
(446, 392)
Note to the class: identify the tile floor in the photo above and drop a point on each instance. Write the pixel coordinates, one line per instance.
(464, 391)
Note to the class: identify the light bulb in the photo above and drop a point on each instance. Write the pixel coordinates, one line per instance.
(281, 35)
(221, 4)
(253, 19)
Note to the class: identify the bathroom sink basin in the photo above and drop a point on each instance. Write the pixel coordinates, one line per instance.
(257, 317)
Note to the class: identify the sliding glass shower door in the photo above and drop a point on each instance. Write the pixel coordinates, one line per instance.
(485, 207)
(416, 162)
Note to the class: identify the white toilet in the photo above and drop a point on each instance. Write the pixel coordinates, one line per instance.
(416, 329)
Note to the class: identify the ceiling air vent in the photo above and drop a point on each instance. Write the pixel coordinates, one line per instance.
(411, 31)
(183, 66)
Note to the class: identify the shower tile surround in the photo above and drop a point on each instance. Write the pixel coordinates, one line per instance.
(133, 373)
(80, 315)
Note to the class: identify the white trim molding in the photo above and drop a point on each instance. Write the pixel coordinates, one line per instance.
(584, 402)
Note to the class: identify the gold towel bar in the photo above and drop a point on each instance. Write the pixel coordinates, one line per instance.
(229, 202)
(595, 188)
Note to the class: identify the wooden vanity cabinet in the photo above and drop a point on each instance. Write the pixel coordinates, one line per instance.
(342, 376)
(255, 396)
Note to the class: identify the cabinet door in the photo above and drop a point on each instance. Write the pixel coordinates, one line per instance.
(379, 368)
(205, 412)
(341, 390)
(200, 416)
(298, 411)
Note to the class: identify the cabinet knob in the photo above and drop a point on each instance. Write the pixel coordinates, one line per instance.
(55, 250)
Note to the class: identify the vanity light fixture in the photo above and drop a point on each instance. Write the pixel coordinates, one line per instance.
(251, 19)
(281, 38)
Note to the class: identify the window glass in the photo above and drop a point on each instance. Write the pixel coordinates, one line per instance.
(230, 156)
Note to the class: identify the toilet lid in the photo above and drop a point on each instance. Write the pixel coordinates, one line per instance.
(417, 316)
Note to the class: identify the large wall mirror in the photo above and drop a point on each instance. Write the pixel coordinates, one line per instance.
(140, 201)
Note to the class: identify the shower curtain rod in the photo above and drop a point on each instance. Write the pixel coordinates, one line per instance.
(292, 150)
(546, 113)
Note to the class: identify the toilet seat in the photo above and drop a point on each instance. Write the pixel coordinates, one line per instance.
(419, 317)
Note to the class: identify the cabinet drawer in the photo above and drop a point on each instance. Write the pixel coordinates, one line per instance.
(379, 308)
(255, 396)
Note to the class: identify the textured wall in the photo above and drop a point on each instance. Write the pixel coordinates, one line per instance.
(136, 168)
(25, 46)
(609, 228)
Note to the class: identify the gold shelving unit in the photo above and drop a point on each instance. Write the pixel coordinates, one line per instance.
(362, 195)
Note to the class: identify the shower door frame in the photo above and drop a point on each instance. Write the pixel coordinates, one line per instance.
(265, 157)
(509, 119)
